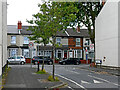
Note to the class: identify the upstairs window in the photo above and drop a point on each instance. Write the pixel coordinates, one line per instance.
(58, 41)
(13, 39)
(87, 42)
(78, 42)
(26, 40)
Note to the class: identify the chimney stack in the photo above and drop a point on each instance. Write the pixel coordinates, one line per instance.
(19, 26)
(78, 29)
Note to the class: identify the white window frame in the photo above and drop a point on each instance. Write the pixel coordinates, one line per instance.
(13, 40)
(27, 40)
(13, 49)
(78, 41)
(58, 42)
(23, 52)
(78, 53)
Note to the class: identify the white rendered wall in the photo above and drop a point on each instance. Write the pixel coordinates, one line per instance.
(106, 35)
(0, 37)
(4, 32)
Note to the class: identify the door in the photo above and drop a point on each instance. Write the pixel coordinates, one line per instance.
(65, 55)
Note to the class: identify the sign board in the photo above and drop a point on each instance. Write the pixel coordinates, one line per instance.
(31, 45)
(92, 47)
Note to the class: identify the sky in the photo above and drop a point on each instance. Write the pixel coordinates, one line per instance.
(20, 10)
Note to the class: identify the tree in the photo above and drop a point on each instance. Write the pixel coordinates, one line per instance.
(39, 31)
(51, 18)
(88, 11)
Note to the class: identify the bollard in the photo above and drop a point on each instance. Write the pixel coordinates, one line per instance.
(38, 66)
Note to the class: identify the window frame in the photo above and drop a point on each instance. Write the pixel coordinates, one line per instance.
(78, 42)
(12, 40)
(27, 40)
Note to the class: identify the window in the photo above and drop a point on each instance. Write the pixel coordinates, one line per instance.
(58, 41)
(87, 42)
(13, 39)
(77, 41)
(79, 53)
(18, 57)
(26, 40)
(25, 52)
(13, 52)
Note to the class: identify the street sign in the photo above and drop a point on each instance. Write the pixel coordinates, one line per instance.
(92, 47)
(31, 45)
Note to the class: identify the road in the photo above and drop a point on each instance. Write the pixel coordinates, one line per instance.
(79, 78)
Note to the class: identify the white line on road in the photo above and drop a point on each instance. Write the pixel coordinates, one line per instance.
(73, 71)
(70, 88)
(104, 80)
(71, 81)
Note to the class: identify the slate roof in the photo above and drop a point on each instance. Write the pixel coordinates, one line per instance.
(73, 33)
(12, 29)
(24, 31)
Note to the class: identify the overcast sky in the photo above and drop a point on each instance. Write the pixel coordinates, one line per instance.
(21, 10)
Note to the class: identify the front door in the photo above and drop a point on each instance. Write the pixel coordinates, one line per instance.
(65, 55)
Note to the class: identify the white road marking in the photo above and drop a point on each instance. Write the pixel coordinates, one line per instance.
(73, 71)
(104, 80)
(71, 81)
(95, 81)
(84, 82)
(70, 88)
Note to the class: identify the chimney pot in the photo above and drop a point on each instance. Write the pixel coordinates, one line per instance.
(19, 25)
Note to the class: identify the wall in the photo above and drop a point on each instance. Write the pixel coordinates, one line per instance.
(0, 37)
(4, 33)
(107, 34)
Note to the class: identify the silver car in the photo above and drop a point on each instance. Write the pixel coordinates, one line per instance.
(17, 59)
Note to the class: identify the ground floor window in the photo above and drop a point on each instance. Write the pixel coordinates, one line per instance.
(25, 53)
(45, 53)
(13, 52)
(59, 54)
(79, 53)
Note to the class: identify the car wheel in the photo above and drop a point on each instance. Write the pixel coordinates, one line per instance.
(22, 63)
(35, 63)
(77, 63)
(63, 63)
(50, 63)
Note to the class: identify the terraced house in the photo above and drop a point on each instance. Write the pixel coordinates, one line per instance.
(73, 43)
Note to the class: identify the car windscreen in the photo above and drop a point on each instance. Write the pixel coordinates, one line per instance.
(36, 57)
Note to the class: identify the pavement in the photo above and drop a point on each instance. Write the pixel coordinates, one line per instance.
(20, 78)
(105, 70)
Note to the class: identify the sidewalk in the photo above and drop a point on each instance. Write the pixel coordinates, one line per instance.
(104, 70)
(25, 77)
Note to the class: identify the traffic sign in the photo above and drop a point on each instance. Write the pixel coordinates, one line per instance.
(31, 44)
(92, 47)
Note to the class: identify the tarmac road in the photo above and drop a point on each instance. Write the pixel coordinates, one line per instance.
(78, 78)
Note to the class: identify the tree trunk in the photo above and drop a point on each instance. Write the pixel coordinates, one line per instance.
(54, 41)
(43, 58)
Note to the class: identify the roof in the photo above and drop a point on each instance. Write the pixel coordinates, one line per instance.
(12, 29)
(24, 31)
(73, 33)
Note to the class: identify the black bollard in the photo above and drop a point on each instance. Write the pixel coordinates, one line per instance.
(38, 66)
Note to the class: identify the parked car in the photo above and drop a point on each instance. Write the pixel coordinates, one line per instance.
(16, 59)
(47, 60)
(70, 61)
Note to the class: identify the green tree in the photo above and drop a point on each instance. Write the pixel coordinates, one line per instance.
(40, 32)
(51, 18)
(88, 11)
